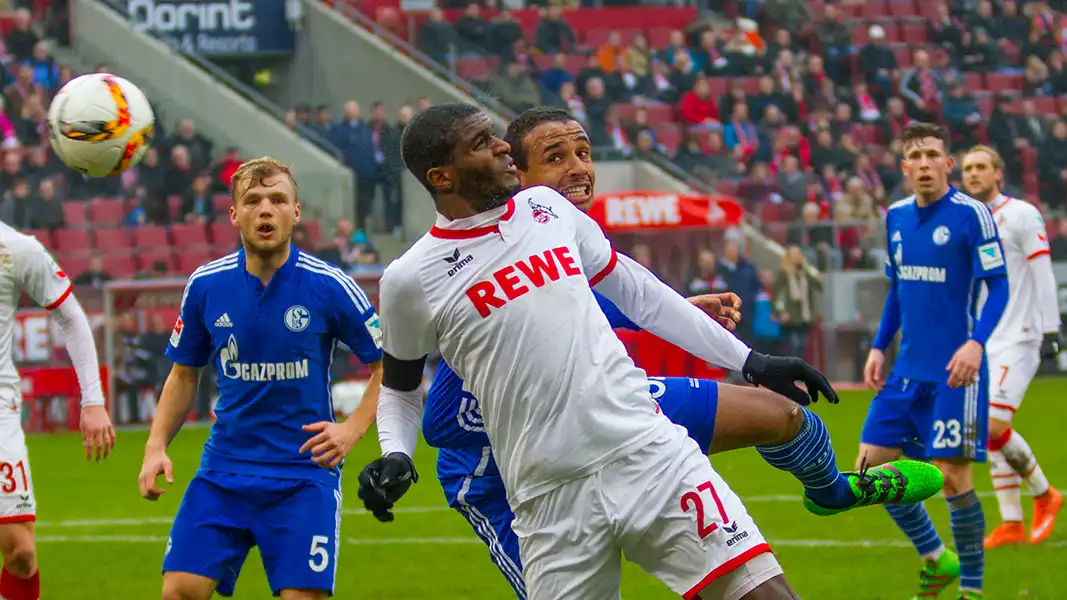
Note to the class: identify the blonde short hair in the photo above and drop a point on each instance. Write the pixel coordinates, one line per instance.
(254, 171)
(998, 162)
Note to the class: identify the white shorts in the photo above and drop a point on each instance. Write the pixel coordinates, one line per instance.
(1011, 369)
(665, 507)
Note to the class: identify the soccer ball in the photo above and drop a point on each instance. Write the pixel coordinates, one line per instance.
(100, 124)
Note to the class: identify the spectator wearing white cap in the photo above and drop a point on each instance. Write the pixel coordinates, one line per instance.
(878, 64)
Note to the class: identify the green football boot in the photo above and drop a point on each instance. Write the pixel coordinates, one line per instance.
(897, 482)
(970, 595)
(938, 575)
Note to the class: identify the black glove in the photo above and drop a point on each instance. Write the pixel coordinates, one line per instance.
(780, 374)
(1050, 346)
(384, 481)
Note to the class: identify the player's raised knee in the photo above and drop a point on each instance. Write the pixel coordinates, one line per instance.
(783, 417)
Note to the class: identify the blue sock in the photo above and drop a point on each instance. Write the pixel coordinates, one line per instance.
(968, 529)
(915, 522)
(810, 458)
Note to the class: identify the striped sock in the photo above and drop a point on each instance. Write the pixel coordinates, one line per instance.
(915, 522)
(968, 529)
(1006, 483)
(810, 458)
(1021, 458)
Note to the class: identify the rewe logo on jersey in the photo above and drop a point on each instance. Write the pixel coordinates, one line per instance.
(259, 371)
(506, 285)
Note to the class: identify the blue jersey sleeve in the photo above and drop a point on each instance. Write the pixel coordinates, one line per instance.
(190, 342)
(614, 315)
(354, 320)
(987, 254)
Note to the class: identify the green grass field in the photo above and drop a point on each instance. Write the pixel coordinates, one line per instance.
(98, 539)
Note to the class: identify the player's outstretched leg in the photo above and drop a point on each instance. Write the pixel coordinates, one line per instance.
(794, 439)
(20, 579)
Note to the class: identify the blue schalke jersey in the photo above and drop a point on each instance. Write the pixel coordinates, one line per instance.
(938, 257)
(452, 418)
(271, 347)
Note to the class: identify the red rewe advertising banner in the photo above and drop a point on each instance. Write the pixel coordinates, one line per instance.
(663, 210)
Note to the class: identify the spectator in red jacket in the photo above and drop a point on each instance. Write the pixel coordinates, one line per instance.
(698, 108)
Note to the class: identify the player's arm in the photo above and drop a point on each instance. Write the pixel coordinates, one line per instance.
(657, 308)
(724, 308)
(41, 278)
(190, 350)
(888, 326)
(987, 265)
(1035, 244)
(354, 322)
(408, 335)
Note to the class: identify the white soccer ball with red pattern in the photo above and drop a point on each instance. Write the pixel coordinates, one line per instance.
(100, 124)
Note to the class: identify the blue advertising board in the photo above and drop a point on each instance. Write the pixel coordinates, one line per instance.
(216, 27)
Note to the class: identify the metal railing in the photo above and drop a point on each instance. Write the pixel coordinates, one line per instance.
(259, 100)
(424, 60)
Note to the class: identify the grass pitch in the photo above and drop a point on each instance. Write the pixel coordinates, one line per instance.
(99, 540)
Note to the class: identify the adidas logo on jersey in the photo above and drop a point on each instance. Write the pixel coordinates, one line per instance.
(224, 321)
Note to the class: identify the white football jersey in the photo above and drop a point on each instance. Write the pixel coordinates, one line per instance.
(25, 266)
(506, 297)
(1022, 231)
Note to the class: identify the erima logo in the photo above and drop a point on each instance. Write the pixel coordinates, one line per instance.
(732, 528)
(457, 262)
(917, 273)
(273, 371)
(224, 321)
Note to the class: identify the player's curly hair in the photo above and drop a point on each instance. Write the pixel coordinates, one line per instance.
(919, 131)
(529, 120)
(430, 137)
(254, 171)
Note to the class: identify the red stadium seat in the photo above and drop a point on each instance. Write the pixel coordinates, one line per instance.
(74, 214)
(150, 236)
(222, 203)
(111, 240)
(900, 9)
(473, 69)
(874, 9)
(73, 265)
(106, 211)
(1003, 82)
(43, 235)
(670, 135)
(120, 265)
(223, 233)
(190, 260)
(914, 33)
(188, 235)
(72, 241)
(146, 259)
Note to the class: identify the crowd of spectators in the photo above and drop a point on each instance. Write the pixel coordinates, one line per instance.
(796, 107)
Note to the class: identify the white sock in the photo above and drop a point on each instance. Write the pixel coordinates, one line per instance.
(1021, 458)
(1006, 482)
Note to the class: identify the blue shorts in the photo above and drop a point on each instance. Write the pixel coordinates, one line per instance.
(931, 420)
(295, 522)
(484, 503)
(691, 403)
(481, 498)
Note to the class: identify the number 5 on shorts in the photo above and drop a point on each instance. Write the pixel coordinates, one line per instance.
(320, 556)
(694, 501)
